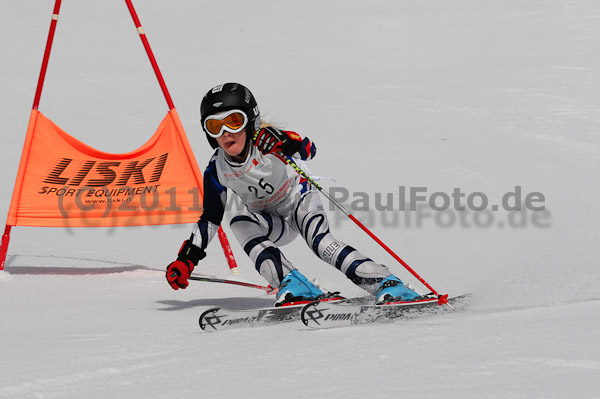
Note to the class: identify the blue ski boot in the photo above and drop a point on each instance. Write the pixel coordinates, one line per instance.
(393, 289)
(295, 287)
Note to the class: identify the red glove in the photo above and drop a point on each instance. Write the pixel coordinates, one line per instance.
(269, 140)
(178, 273)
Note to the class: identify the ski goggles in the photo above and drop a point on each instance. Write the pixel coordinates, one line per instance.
(232, 121)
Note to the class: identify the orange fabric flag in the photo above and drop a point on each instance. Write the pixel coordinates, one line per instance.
(63, 182)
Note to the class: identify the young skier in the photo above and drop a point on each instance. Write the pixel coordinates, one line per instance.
(279, 204)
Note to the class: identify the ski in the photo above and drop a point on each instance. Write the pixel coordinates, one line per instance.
(327, 315)
(219, 319)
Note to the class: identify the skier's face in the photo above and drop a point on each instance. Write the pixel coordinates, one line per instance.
(232, 143)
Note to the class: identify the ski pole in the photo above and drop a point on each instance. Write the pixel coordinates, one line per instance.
(442, 299)
(268, 289)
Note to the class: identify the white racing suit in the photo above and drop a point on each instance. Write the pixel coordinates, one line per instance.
(279, 206)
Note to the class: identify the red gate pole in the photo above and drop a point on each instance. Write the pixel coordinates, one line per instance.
(4, 246)
(40, 85)
(36, 103)
(140, 30)
(222, 237)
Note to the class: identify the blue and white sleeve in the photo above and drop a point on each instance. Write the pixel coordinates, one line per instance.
(307, 150)
(215, 198)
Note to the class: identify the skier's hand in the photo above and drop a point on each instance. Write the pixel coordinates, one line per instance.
(269, 140)
(178, 273)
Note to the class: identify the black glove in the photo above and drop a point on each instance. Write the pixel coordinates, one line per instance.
(269, 140)
(179, 271)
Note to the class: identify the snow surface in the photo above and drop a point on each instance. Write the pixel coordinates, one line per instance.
(479, 95)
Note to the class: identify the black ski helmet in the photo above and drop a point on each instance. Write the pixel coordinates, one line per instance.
(230, 96)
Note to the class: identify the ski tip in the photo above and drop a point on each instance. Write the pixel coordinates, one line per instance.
(307, 315)
(205, 319)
